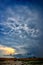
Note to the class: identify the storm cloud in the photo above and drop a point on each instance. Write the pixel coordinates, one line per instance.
(21, 27)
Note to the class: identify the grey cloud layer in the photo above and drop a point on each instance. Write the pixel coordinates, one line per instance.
(21, 27)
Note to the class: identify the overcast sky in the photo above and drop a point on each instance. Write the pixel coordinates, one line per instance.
(21, 28)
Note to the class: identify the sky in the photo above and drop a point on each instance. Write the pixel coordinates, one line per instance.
(21, 28)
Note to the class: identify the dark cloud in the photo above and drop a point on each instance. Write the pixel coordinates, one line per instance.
(21, 27)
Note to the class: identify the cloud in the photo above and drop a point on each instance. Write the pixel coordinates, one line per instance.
(21, 29)
(4, 50)
(20, 49)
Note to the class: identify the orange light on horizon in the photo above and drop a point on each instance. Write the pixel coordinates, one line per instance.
(10, 51)
(7, 50)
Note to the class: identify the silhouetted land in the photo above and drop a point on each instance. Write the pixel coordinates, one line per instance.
(21, 61)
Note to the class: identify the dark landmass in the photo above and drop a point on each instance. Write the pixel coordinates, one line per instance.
(20, 59)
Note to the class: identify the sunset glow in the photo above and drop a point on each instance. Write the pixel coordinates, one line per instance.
(7, 50)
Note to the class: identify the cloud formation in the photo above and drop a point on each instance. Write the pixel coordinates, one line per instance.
(4, 50)
(20, 29)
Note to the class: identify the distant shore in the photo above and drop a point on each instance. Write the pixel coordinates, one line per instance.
(21, 59)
